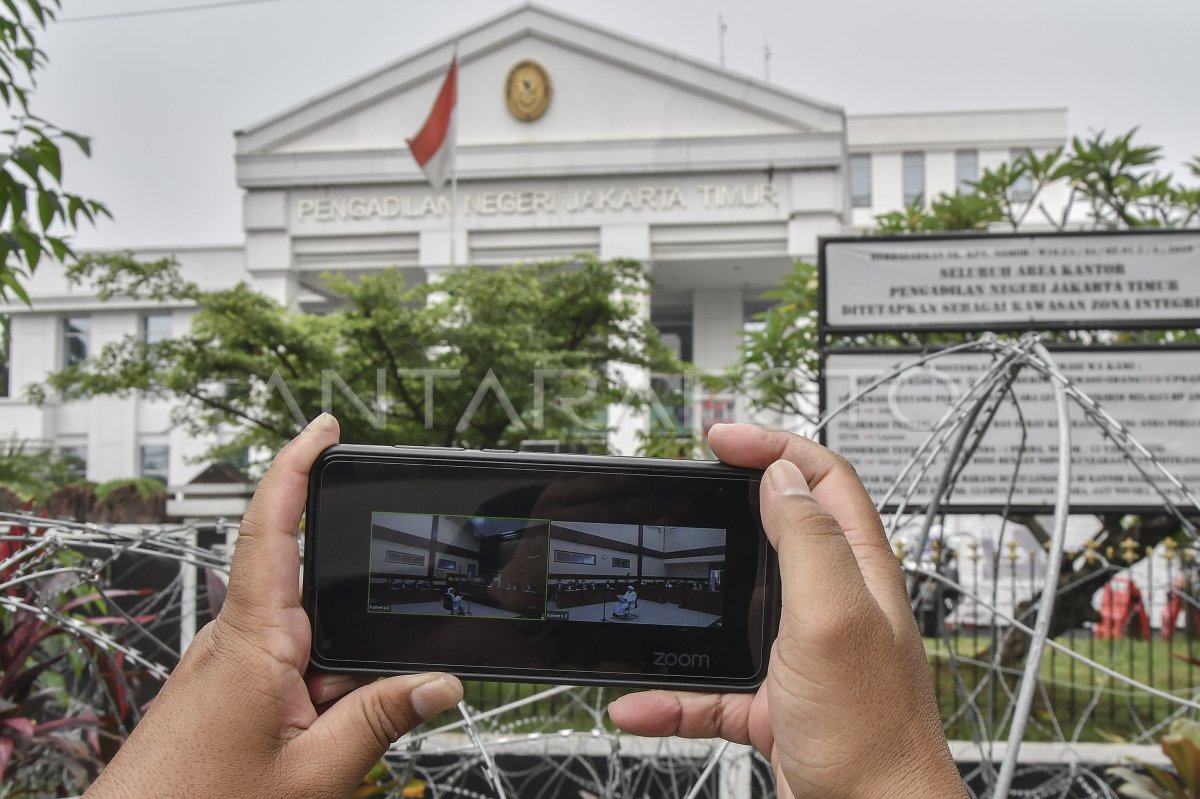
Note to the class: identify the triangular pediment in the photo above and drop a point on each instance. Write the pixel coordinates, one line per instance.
(605, 86)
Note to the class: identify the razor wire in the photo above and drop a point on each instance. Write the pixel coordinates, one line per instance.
(558, 741)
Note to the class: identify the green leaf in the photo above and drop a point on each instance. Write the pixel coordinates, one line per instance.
(26, 56)
(28, 164)
(16, 193)
(62, 251)
(31, 246)
(84, 143)
(1137, 786)
(9, 282)
(46, 208)
(48, 156)
(98, 209)
(1166, 780)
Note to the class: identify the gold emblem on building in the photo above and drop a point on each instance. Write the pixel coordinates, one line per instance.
(527, 90)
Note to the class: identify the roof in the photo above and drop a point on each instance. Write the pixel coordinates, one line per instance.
(737, 92)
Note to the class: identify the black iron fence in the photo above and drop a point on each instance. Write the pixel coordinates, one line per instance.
(1125, 654)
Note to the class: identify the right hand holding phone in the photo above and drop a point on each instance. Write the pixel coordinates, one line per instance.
(847, 709)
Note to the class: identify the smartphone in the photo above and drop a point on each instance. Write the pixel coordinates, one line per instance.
(538, 567)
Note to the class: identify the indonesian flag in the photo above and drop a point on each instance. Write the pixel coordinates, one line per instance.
(433, 146)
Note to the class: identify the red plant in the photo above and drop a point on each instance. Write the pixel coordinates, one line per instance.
(64, 683)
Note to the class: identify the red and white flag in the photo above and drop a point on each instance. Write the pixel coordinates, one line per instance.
(433, 146)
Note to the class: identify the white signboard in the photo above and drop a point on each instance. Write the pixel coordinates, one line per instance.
(1154, 393)
(1082, 281)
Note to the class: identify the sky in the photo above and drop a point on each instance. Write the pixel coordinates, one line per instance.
(162, 93)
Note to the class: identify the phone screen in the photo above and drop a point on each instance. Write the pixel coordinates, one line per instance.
(572, 570)
(555, 569)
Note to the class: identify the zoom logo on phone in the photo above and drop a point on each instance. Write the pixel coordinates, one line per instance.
(684, 659)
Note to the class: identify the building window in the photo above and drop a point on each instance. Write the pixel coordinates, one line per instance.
(239, 460)
(75, 461)
(156, 327)
(1022, 190)
(914, 177)
(155, 462)
(447, 565)
(580, 558)
(860, 181)
(621, 563)
(966, 170)
(77, 332)
(403, 558)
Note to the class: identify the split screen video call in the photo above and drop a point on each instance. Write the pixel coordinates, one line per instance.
(542, 569)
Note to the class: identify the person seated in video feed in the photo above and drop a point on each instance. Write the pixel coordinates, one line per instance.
(625, 602)
(454, 602)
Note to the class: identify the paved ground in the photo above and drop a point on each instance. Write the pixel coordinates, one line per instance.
(646, 612)
(436, 609)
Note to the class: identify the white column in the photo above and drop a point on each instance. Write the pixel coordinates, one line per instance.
(941, 174)
(625, 424)
(112, 435)
(433, 249)
(34, 351)
(887, 183)
(268, 259)
(717, 318)
(269, 246)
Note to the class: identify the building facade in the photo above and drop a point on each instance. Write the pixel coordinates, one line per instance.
(571, 138)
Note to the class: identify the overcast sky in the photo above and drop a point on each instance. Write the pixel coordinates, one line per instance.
(162, 94)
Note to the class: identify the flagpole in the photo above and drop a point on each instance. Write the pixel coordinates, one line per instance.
(453, 214)
(435, 144)
(454, 173)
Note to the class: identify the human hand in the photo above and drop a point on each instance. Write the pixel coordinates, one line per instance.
(238, 716)
(847, 708)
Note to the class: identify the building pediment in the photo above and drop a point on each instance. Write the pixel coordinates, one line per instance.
(608, 90)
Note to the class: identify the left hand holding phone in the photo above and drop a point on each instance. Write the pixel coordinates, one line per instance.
(238, 716)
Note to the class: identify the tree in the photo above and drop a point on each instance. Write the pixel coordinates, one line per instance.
(1115, 181)
(485, 357)
(35, 211)
(32, 475)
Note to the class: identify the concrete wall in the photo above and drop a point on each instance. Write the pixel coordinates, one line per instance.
(379, 562)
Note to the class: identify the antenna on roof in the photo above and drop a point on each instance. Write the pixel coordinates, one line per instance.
(721, 28)
(766, 60)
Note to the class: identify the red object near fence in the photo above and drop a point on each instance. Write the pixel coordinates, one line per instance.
(1176, 606)
(1122, 611)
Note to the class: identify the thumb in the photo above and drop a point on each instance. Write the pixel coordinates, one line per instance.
(816, 562)
(350, 737)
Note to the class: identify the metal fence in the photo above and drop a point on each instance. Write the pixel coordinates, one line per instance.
(1127, 645)
(1117, 676)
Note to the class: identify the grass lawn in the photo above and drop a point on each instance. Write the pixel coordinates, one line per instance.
(1073, 699)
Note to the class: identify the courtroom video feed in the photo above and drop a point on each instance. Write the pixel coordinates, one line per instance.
(458, 566)
(636, 574)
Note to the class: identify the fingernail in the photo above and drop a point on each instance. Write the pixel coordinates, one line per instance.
(786, 478)
(441, 693)
(334, 687)
(322, 422)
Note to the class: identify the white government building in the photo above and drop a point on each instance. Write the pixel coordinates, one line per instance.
(715, 180)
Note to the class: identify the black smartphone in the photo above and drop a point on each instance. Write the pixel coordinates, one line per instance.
(538, 567)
